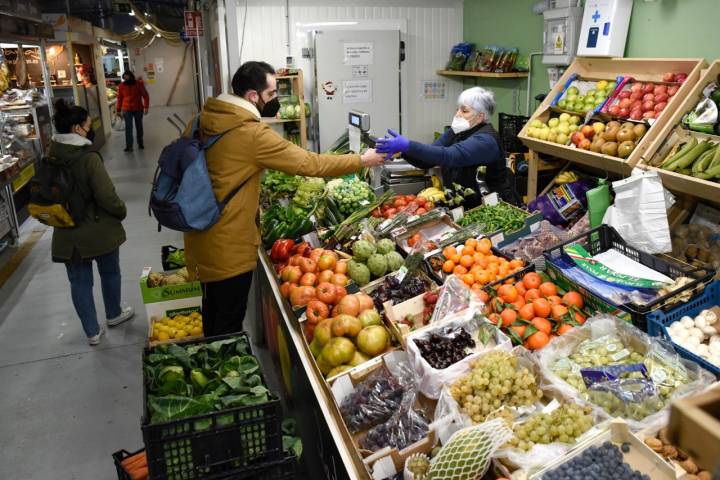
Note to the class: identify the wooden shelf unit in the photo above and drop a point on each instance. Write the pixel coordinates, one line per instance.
(462, 73)
(297, 88)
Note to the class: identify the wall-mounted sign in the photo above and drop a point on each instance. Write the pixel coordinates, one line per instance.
(194, 23)
(357, 91)
(360, 53)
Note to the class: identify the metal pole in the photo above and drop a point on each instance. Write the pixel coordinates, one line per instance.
(46, 75)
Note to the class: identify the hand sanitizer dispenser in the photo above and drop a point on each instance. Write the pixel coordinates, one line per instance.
(604, 28)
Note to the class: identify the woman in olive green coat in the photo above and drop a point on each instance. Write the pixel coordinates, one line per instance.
(100, 233)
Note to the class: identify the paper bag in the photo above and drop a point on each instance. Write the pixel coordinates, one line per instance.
(640, 212)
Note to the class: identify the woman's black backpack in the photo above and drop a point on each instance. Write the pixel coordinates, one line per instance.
(55, 197)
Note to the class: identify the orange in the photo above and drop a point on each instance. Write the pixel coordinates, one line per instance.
(520, 287)
(493, 259)
(516, 263)
(484, 245)
(558, 312)
(448, 266)
(483, 294)
(466, 261)
(519, 329)
(532, 280)
(532, 294)
(527, 312)
(564, 328)
(483, 261)
(504, 271)
(508, 317)
(542, 307)
(471, 242)
(468, 250)
(508, 293)
(468, 279)
(478, 257)
(548, 289)
(449, 251)
(554, 300)
(573, 298)
(482, 277)
(497, 305)
(495, 318)
(519, 303)
(579, 317)
(537, 340)
(542, 324)
(459, 270)
(455, 258)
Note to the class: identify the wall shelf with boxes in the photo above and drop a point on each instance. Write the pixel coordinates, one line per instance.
(292, 116)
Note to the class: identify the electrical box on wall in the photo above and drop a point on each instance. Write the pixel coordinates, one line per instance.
(604, 28)
(562, 28)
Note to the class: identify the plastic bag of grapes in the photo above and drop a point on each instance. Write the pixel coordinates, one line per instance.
(468, 452)
(606, 340)
(405, 427)
(380, 395)
(442, 353)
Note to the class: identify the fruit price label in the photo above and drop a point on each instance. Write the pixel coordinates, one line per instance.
(497, 239)
(312, 239)
(457, 213)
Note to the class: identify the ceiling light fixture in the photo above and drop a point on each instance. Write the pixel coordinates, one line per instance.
(148, 27)
(131, 13)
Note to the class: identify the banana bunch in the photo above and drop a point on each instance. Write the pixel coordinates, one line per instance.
(4, 77)
(567, 177)
(432, 194)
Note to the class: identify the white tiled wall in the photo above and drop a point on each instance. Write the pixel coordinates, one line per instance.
(433, 27)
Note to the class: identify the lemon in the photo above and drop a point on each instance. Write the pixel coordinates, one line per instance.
(163, 336)
(181, 334)
(195, 331)
(172, 332)
(195, 315)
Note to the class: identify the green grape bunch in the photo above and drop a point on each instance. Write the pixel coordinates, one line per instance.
(564, 424)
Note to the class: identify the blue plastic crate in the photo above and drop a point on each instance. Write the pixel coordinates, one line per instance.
(658, 321)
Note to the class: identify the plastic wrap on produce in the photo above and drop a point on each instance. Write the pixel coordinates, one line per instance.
(564, 203)
(403, 428)
(455, 296)
(380, 395)
(607, 340)
(487, 337)
(449, 414)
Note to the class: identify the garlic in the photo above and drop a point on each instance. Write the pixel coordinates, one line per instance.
(687, 322)
(696, 332)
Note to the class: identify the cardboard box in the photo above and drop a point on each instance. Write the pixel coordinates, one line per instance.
(169, 300)
(695, 427)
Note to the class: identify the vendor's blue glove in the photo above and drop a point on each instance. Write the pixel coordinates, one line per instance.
(393, 144)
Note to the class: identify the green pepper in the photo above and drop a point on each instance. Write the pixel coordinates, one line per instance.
(279, 231)
(294, 228)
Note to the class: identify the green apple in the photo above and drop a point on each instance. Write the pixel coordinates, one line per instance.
(553, 122)
(591, 93)
(573, 128)
(564, 117)
(601, 85)
(573, 91)
(564, 128)
(611, 87)
(562, 138)
(562, 104)
(552, 136)
(571, 97)
(599, 127)
(544, 134)
(536, 123)
(574, 120)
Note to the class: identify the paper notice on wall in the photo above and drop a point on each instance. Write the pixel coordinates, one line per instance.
(358, 53)
(434, 90)
(360, 71)
(159, 64)
(357, 91)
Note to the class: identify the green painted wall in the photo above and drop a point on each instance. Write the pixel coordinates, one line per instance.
(662, 28)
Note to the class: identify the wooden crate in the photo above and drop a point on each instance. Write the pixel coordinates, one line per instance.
(673, 132)
(641, 69)
(695, 427)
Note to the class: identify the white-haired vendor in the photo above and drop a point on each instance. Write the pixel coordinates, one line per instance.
(471, 142)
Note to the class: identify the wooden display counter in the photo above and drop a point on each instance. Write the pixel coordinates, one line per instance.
(640, 69)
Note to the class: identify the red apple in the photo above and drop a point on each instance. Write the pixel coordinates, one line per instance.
(636, 104)
(625, 103)
(577, 137)
(648, 97)
(585, 143)
(649, 114)
(672, 90)
(624, 112)
(659, 89)
(648, 106)
(662, 97)
(669, 77)
(648, 87)
(660, 107)
(588, 131)
(614, 110)
(637, 95)
(681, 77)
(636, 114)
(624, 94)
(636, 87)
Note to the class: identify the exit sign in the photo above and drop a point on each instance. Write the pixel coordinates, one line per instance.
(194, 23)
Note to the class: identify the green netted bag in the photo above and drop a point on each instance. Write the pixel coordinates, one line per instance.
(466, 456)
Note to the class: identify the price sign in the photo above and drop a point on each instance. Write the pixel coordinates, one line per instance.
(491, 199)
(457, 213)
(312, 239)
(497, 239)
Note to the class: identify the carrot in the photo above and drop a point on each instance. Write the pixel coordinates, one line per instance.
(131, 463)
(139, 474)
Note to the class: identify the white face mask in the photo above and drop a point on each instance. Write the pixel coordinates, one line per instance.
(459, 125)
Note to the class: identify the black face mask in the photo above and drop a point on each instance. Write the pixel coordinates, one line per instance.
(90, 135)
(271, 108)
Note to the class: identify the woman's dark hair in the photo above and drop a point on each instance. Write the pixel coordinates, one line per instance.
(251, 76)
(131, 77)
(67, 116)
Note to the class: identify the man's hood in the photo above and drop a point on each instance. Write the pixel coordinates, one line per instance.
(66, 147)
(226, 112)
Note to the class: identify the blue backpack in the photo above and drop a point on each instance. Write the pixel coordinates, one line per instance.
(182, 197)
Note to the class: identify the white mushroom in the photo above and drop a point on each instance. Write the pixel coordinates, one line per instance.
(680, 334)
(714, 348)
(696, 332)
(714, 339)
(691, 342)
(702, 350)
(700, 321)
(709, 331)
(710, 316)
(687, 322)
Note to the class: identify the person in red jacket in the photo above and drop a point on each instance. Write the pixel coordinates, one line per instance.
(132, 101)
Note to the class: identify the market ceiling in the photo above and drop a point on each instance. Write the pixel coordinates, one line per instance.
(166, 14)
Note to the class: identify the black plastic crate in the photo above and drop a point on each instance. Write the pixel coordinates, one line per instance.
(280, 470)
(603, 238)
(118, 457)
(510, 126)
(215, 445)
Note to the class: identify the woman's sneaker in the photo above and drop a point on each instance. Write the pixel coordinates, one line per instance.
(95, 340)
(126, 314)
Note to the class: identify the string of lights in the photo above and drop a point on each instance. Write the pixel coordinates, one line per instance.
(147, 27)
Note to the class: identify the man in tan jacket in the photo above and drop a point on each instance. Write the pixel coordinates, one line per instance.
(223, 257)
